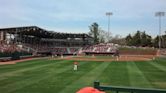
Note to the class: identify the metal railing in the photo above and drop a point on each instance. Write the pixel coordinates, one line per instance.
(118, 89)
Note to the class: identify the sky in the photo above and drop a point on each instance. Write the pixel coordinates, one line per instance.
(75, 16)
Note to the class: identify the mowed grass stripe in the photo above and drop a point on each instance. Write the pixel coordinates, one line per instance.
(34, 76)
(161, 61)
(86, 80)
(58, 82)
(29, 67)
(158, 66)
(28, 72)
(153, 74)
(21, 65)
(44, 82)
(136, 76)
(116, 74)
(60, 77)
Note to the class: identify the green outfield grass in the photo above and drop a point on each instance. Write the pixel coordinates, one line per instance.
(57, 76)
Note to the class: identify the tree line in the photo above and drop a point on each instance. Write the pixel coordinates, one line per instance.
(139, 39)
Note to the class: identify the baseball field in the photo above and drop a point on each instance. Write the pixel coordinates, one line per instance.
(57, 76)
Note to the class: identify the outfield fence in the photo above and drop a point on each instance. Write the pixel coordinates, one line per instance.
(118, 89)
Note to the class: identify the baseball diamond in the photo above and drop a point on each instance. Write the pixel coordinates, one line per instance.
(82, 46)
(35, 60)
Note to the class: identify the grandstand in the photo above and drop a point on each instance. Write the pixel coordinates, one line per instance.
(101, 49)
(33, 39)
(38, 41)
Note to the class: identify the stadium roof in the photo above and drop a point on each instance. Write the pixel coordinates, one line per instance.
(42, 33)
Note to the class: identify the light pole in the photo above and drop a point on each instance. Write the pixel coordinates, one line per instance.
(159, 14)
(109, 14)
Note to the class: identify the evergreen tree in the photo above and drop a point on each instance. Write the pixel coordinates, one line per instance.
(136, 41)
(163, 41)
(139, 39)
(94, 32)
(146, 40)
(129, 40)
(156, 42)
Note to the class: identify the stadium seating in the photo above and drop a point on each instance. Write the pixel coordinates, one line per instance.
(8, 47)
(163, 52)
(52, 49)
(11, 51)
(101, 48)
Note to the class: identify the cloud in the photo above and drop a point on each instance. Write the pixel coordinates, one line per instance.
(79, 14)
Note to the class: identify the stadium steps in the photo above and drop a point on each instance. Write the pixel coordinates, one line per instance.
(28, 49)
(68, 51)
(94, 49)
(108, 50)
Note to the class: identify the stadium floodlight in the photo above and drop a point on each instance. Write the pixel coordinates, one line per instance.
(159, 14)
(109, 14)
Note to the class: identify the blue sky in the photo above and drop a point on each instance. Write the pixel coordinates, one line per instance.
(74, 16)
